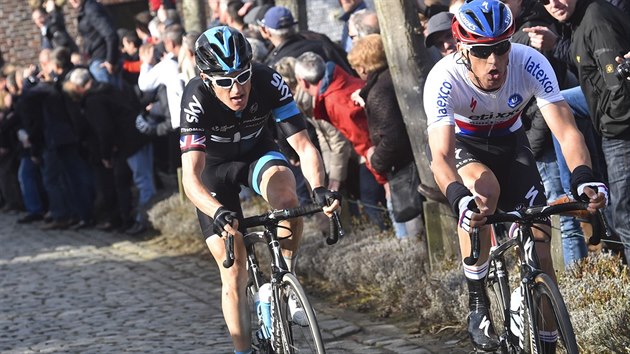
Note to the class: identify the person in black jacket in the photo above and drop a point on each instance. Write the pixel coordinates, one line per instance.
(391, 150)
(112, 116)
(100, 41)
(600, 34)
(54, 145)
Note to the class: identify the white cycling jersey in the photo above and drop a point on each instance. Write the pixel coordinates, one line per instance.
(450, 97)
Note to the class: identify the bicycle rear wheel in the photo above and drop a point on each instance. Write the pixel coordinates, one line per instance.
(289, 336)
(547, 299)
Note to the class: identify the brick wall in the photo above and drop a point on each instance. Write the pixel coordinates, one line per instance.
(20, 40)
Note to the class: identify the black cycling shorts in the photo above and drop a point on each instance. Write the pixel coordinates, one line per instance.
(511, 160)
(224, 180)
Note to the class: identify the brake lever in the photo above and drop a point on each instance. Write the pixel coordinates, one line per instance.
(475, 247)
(229, 251)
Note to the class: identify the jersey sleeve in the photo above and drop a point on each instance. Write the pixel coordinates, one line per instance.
(540, 77)
(192, 132)
(284, 109)
(438, 96)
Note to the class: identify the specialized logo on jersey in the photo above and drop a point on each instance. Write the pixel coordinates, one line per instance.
(473, 104)
(192, 142)
(193, 110)
(539, 74)
(515, 100)
(442, 100)
(281, 86)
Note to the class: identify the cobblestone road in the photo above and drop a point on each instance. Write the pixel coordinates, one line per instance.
(94, 292)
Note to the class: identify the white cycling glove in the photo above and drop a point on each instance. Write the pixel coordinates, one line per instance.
(599, 187)
(466, 204)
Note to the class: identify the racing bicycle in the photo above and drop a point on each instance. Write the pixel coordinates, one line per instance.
(280, 334)
(517, 313)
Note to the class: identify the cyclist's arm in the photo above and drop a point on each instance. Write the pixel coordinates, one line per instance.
(442, 145)
(562, 124)
(310, 159)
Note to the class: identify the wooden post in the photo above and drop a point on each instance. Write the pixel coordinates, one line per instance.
(194, 15)
(409, 65)
(298, 9)
(442, 241)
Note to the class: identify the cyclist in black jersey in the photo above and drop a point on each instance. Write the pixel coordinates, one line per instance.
(481, 158)
(226, 142)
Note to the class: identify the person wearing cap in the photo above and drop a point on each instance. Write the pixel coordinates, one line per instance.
(481, 158)
(278, 26)
(439, 34)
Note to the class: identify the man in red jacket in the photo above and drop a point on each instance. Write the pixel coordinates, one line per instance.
(331, 88)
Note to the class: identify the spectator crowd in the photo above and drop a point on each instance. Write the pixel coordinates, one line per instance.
(88, 132)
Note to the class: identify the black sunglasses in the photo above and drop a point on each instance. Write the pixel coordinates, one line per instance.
(483, 51)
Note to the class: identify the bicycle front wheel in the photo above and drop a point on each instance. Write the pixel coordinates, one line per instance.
(294, 335)
(551, 318)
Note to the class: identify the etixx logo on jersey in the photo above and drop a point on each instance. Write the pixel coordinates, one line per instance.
(515, 100)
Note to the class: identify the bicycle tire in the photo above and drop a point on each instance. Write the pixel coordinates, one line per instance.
(545, 293)
(512, 340)
(290, 337)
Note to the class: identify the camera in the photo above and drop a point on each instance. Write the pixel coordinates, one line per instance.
(623, 70)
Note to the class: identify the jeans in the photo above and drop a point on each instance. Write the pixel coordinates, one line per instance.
(141, 165)
(577, 101)
(617, 154)
(31, 185)
(101, 74)
(301, 186)
(372, 197)
(404, 229)
(573, 245)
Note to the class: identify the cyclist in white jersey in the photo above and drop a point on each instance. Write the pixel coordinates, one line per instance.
(481, 158)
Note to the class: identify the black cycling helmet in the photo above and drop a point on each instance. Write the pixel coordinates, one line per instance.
(222, 50)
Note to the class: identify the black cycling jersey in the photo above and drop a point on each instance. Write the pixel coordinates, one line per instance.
(239, 146)
(208, 125)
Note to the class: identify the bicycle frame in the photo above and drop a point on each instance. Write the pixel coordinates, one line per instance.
(278, 265)
(528, 266)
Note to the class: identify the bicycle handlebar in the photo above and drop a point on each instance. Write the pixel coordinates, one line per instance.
(533, 214)
(274, 216)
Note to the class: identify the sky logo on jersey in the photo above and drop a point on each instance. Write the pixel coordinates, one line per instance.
(515, 100)
(281, 86)
(539, 74)
(442, 100)
(193, 110)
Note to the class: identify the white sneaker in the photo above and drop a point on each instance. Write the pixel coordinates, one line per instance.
(298, 315)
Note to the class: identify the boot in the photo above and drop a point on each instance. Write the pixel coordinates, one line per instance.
(480, 328)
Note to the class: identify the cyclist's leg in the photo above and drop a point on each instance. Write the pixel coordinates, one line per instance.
(271, 177)
(481, 181)
(483, 184)
(234, 302)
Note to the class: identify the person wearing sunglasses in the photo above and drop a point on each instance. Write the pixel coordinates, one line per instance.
(226, 142)
(481, 157)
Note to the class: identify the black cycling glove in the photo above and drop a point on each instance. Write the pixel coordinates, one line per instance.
(324, 197)
(223, 217)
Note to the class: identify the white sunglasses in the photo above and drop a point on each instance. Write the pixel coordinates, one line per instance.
(228, 82)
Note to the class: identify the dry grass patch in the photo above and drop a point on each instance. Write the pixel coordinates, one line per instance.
(374, 272)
